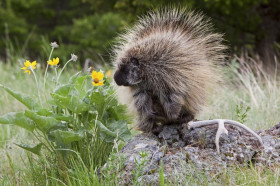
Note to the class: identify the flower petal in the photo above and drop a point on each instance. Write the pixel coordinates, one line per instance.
(101, 82)
(56, 60)
(100, 75)
(27, 71)
(94, 75)
(27, 63)
(34, 63)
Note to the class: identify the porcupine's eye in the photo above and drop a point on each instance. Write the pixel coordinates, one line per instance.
(128, 73)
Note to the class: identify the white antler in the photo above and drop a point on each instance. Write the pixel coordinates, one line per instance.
(221, 128)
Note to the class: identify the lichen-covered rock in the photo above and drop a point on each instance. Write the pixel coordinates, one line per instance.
(177, 147)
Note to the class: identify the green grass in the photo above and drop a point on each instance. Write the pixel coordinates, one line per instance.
(260, 92)
(253, 88)
(9, 135)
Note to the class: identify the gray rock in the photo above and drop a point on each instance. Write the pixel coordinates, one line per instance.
(178, 148)
(149, 179)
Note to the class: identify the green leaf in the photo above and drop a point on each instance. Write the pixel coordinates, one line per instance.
(63, 90)
(97, 99)
(44, 123)
(19, 119)
(44, 112)
(73, 103)
(74, 78)
(105, 130)
(59, 117)
(80, 85)
(24, 99)
(119, 131)
(67, 137)
(34, 149)
(120, 127)
(70, 96)
(62, 117)
(75, 87)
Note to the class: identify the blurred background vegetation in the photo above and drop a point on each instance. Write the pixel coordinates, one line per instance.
(88, 27)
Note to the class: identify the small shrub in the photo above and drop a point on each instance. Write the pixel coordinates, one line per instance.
(80, 121)
(241, 113)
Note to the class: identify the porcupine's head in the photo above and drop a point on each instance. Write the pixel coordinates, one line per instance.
(139, 63)
(128, 72)
(148, 62)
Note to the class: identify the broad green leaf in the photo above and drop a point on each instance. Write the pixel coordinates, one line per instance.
(59, 117)
(29, 102)
(34, 149)
(71, 96)
(76, 85)
(119, 131)
(63, 90)
(19, 119)
(80, 85)
(120, 127)
(106, 132)
(73, 103)
(67, 137)
(44, 112)
(97, 99)
(44, 123)
(74, 78)
(62, 117)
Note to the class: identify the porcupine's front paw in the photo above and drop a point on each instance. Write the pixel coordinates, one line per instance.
(172, 105)
(172, 110)
(145, 125)
(157, 129)
(185, 118)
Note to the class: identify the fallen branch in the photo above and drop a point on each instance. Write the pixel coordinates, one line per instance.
(221, 128)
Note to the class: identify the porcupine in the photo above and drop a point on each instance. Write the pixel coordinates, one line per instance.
(165, 65)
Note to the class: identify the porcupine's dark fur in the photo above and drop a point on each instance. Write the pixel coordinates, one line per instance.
(165, 65)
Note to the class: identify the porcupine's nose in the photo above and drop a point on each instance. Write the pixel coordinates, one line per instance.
(120, 79)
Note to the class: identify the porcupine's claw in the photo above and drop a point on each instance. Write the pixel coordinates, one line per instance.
(221, 128)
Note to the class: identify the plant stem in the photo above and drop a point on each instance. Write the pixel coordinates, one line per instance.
(42, 142)
(47, 68)
(55, 69)
(37, 85)
(62, 70)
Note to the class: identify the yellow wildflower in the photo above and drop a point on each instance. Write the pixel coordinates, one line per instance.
(29, 66)
(97, 78)
(54, 62)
